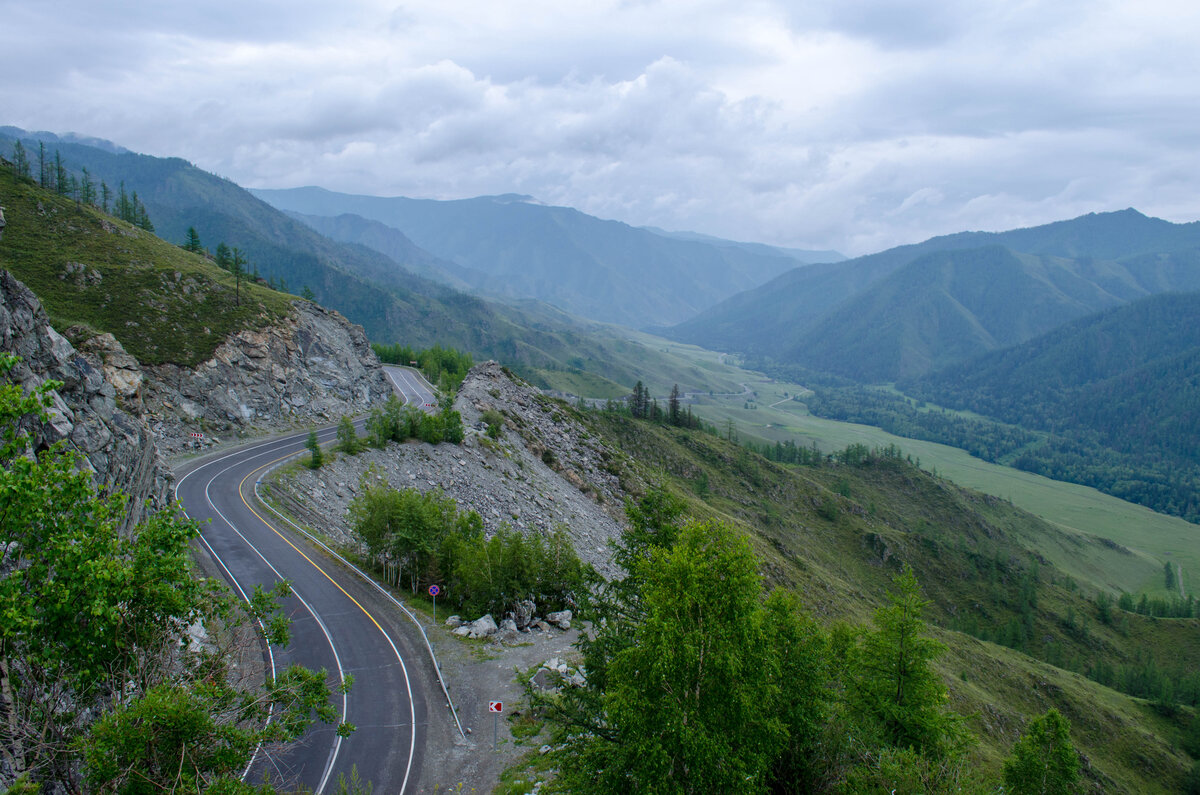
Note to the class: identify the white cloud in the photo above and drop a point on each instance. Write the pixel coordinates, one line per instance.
(853, 125)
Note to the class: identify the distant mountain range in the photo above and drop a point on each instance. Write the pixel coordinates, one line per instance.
(913, 309)
(515, 247)
(393, 302)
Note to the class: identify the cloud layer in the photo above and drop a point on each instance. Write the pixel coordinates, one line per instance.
(831, 124)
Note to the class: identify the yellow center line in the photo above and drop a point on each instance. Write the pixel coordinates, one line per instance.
(242, 495)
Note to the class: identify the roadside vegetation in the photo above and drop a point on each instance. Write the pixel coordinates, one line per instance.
(121, 666)
(444, 367)
(416, 540)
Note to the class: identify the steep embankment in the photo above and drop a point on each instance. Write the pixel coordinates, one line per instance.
(117, 445)
(544, 471)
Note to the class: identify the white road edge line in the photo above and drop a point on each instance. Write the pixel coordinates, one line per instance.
(437, 669)
(335, 750)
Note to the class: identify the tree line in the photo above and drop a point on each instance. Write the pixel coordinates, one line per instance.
(52, 174)
(416, 540)
(445, 367)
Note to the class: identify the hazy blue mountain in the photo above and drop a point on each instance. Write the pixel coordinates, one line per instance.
(392, 243)
(605, 270)
(803, 255)
(905, 311)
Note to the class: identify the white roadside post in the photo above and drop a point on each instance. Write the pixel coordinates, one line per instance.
(495, 707)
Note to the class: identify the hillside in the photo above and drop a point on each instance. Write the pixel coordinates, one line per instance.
(516, 247)
(100, 274)
(1127, 380)
(879, 302)
(1022, 634)
(550, 347)
(947, 307)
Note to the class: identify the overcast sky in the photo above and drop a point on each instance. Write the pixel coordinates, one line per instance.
(824, 123)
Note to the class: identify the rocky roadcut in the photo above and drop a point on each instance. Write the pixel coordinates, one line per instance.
(544, 471)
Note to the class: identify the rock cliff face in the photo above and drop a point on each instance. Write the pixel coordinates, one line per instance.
(117, 445)
(545, 471)
(311, 369)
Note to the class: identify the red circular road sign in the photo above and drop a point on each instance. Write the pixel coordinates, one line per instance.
(495, 706)
(434, 590)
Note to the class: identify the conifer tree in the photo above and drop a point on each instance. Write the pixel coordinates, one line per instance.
(62, 182)
(237, 266)
(43, 166)
(20, 161)
(191, 241)
(1043, 761)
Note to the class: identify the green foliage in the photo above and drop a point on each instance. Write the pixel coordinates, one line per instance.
(1043, 761)
(91, 617)
(418, 539)
(893, 684)
(495, 423)
(398, 422)
(314, 447)
(191, 241)
(347, 438)
(445, 367)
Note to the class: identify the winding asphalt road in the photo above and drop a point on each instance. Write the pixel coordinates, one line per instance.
(340, 622)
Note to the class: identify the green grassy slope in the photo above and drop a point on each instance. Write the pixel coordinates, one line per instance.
(92, 270)
(772, 411)
(838, 533)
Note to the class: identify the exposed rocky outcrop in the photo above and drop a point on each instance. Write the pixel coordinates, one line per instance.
(545, 471)
(88, 411)
(312, 368)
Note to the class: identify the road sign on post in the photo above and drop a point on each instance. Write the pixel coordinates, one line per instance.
(495, 707)
(434, 590)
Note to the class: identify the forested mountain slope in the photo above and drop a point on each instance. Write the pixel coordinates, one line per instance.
(1127, 379)
(604, 270)
(910, 311)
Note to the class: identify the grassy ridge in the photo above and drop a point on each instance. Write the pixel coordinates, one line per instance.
(92, 270)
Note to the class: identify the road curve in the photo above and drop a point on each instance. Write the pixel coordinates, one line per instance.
(339, 623)
(411, 385)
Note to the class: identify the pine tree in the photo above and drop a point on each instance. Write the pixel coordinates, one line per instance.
(314, 447)
(893, 683)
(43, 166)
(20, 161)
(673, 406)
(238, 267)
(62, 182)
(1043, 761)
(191, 241)
(223, 258)
(105, 195)
(87, 187)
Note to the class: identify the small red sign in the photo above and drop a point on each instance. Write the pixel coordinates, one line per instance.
(195, 435)
(495, 706)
